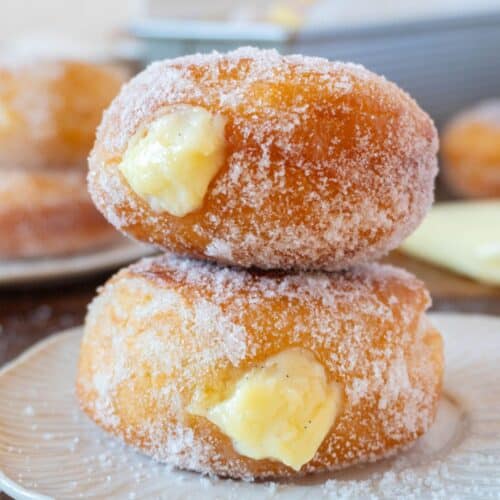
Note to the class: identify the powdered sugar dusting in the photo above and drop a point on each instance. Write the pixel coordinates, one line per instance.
(328, 165)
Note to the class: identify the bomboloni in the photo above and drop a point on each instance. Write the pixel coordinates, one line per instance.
(251, 158)
(49, 213)
(254, 374)
(471, 151)
(49, 110)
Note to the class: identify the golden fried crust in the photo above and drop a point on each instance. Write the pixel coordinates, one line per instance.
(49, 111)
(471, 151)
(49, 213)
(162, 327)
(327, 165)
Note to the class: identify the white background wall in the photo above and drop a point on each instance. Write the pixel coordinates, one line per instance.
(96, 21)
(86, 22)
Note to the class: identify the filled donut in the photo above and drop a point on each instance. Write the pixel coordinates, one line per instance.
(258, 159)
(49, 213)
(254, 374)
(49, 111)
(471, 151)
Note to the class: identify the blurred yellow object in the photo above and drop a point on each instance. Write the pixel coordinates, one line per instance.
(285, 16)
(461, 236)
(290, 14)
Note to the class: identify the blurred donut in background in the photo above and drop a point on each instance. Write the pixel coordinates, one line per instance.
(294, 162)
(470, 150)
(46, 213)
(49, 111)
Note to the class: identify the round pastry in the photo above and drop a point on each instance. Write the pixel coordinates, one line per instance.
(471, 151)
(48, 213)
(258, 159)
(49, 111)
(254, 374)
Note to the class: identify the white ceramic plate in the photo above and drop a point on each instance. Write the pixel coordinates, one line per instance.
(49, 449)
(29, 271)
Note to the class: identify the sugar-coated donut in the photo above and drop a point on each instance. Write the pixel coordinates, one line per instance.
(258, 159)
(46, 213)
(471, 151)
(165, 330)
(49, 111)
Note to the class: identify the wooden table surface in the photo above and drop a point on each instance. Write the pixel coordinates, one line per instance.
(31, 314)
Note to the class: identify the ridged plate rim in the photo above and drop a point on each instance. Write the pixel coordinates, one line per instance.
(41, 270)
(472, 384)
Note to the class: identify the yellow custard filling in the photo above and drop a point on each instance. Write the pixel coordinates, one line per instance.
(282, 409)
(171, 163)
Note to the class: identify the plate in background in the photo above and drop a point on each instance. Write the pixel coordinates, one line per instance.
(49, 449)
(53, 269)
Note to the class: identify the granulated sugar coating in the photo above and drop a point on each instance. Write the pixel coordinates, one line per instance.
(327, 164)
(164, 327)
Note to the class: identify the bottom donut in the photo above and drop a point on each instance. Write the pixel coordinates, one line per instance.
(253, 375)
(49, 213)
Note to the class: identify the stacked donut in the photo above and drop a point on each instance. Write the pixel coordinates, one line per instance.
(471, 151)
(48, 114)
(264, 344)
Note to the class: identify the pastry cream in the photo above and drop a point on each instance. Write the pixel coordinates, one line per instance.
(171, 162)
(461, 236)
(282, 409)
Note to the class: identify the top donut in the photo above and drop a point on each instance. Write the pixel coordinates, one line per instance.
(257, 159)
